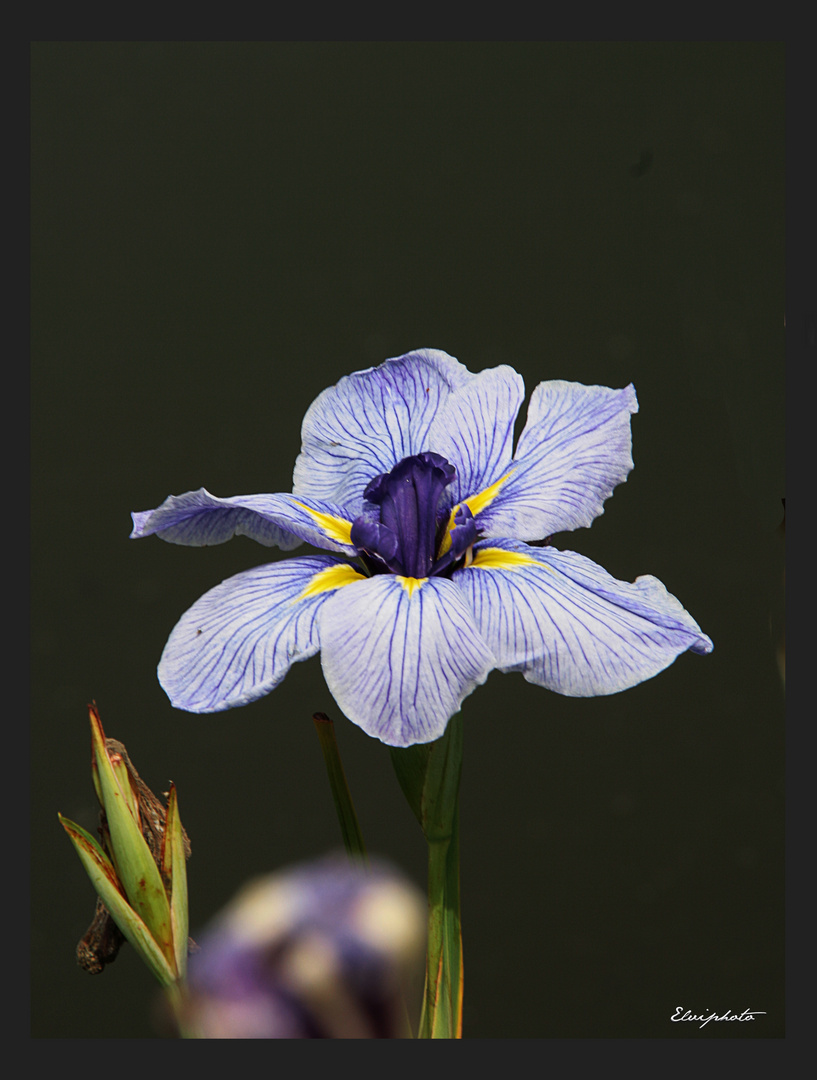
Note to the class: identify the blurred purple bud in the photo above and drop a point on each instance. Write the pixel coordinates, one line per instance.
(320, 951)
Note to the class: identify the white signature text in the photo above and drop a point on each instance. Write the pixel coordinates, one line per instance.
(682, 1014)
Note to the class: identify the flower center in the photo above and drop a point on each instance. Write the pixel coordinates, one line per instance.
(404, 531)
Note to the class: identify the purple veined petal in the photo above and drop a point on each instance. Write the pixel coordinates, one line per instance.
(370, 421)
(400, 655)
(566, 624)
(200, 519)
(474, 429)
(574, 450)
(238, 641)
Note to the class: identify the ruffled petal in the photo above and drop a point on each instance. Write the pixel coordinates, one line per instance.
(238, 641)
(566, 624)
(399, 656)
(200, 519)
(370, 421)
(474, 429)
(574, 450)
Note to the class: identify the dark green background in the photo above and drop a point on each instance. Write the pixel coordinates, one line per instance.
(222, 230)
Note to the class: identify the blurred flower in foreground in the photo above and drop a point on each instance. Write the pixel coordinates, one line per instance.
(139, 869)
(410, 469)
(321, 951)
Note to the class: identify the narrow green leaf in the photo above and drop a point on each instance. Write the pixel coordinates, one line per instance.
(135, 865)
(120, 771)
(410, 765)
(347, 818)
(174, 867)
(103, 876)
(452, 932)
(429, 775)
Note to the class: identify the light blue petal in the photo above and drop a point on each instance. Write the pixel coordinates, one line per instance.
(238, 641)
(399, 664)
(474, 429)
(566, 624)
(200, 519)
(574, 450)
(370, 421)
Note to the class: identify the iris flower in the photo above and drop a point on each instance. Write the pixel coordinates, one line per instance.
(441, 569)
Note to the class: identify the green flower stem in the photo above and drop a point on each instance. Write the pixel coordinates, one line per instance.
(429, 775)
(452, 936)
(441, 1017)
(347, 818)
(175, 994)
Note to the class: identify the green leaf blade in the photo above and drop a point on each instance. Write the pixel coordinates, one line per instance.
(103, 876)
(174, 865)
(131, 856)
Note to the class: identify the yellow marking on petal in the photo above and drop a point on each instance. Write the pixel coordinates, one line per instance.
(476, 504)
(500, 559)
(335, 528)
(332, 578)
(445, 543)
(411, 583)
